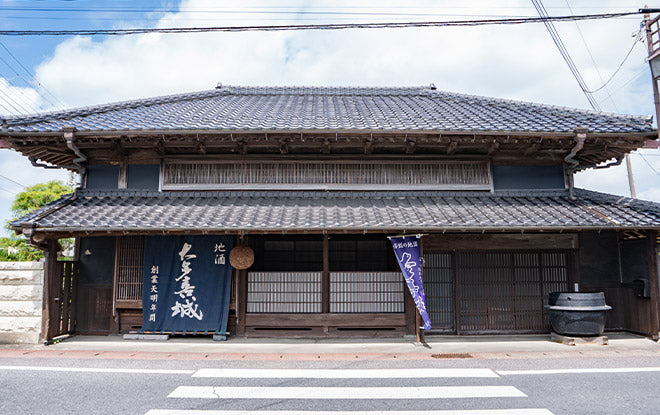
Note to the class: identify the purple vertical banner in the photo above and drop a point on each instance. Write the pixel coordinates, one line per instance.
(406, 250)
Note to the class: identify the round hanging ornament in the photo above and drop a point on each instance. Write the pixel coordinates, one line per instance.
(241, 257)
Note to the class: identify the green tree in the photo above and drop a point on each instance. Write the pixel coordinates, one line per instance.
(36, 196)
(32, 198)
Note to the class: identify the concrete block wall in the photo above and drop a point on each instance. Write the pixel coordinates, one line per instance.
(21, 296)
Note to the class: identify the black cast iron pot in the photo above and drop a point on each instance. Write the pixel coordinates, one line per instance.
(578, 314)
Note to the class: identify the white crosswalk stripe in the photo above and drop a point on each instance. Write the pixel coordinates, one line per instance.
(523, 411)
(359, 392)
(345, 396)
(344, 374)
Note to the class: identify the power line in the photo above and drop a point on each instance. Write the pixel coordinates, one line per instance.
(336, 26)
(564, 53)
(36, 84)
(13, 103)
(649, 164)
(638, 38)
(12, 180)
(593, 60)
(25, 100)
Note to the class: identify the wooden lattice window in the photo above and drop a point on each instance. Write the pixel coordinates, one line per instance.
(284, 292)
(366, 292)
(313, 174)
(128, 272)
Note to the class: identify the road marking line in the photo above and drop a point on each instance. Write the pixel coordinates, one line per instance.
(521, 411)
(277, 392)
(98, 370)
(570, 371)
(344, 374)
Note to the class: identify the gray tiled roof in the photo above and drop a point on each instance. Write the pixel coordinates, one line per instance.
(327, 109)
(353, 211)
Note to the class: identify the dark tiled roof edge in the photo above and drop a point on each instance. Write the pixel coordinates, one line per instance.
(296, 90)
(316, 193)
(32, 217)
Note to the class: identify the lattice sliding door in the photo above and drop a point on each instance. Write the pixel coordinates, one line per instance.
(128, 271)
(494, 291)
(439, 289)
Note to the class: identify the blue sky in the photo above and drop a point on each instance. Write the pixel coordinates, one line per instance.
(515, 62)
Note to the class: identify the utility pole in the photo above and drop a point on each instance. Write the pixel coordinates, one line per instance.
(653, 45)
(631, 182)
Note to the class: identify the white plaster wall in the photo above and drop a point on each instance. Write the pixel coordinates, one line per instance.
(21, 296)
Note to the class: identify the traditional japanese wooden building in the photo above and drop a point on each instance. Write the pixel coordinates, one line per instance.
(315, 179)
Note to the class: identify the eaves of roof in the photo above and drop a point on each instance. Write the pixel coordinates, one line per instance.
(135, 212)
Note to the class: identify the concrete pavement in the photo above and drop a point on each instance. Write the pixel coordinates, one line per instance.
(436, 347)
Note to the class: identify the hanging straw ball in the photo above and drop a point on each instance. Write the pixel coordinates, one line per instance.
(241, 257)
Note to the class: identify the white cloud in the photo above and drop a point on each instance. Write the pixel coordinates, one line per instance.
(518, 62)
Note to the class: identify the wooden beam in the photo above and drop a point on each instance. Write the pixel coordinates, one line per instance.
(494, 146)
(453, 145)
(410, 146)
(368, 146)
(533, 149)
(284, 146)
(653, 264)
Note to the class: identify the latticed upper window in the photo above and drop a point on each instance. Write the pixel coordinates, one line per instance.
(313, 174)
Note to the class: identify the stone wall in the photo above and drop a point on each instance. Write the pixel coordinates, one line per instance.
(21, 288)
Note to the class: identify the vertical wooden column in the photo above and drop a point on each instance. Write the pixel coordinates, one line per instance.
(325, 277)
(410, 312)
(50, 300)
(241, 301)
(575, 269)
(652, 255)
(418, 317)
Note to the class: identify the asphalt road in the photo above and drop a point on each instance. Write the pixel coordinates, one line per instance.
(567, 385)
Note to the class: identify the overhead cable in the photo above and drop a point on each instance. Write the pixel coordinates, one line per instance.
(564, 53)
(638, 38)
(36, 84)
(12, 180)
(334, 26)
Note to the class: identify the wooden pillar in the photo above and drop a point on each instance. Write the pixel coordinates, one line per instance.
(652, 255)
(418, 317)
(50, 293)
(575, 270)
(410, 311)
(241, 301)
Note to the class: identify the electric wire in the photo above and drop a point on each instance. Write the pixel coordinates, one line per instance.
(334, 26)
(12, 180)
(649, 164)
(638, 39)
(36, 84)
(565, 55)
(593, 60)
(13, 103)
(20, 98)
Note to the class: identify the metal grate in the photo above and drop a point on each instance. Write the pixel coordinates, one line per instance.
(366, 292)
(130, 253)
(472, 175)
(284, 292)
